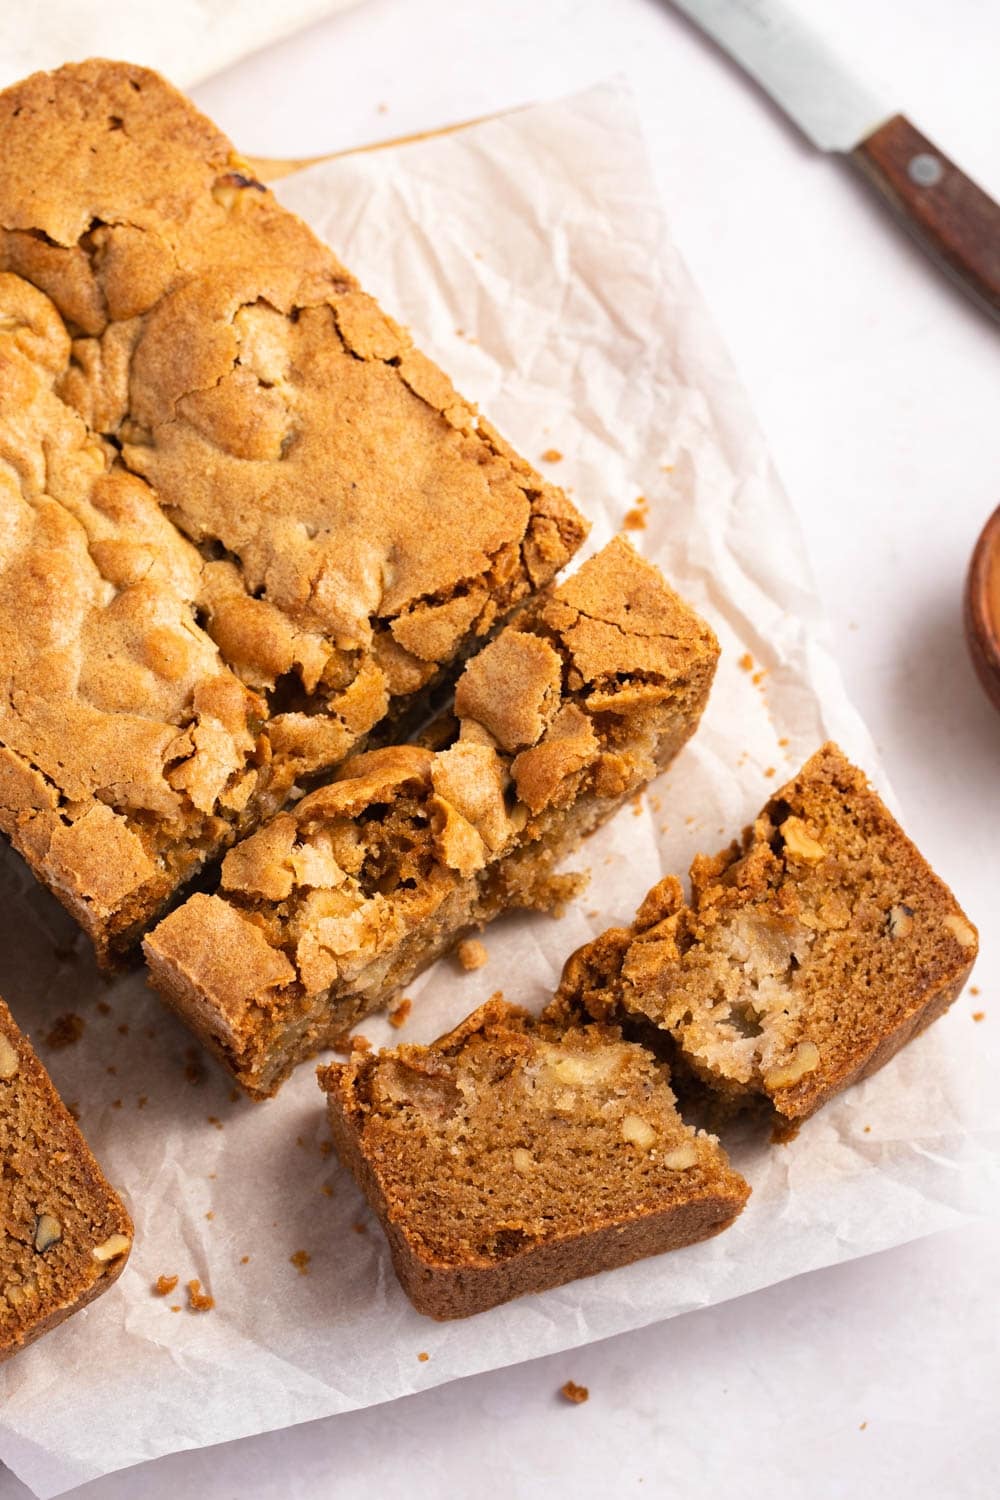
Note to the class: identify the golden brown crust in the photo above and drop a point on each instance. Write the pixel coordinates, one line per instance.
(810, 953)
(376, 873)
(247, 519)
(64, 1234)
(510, 1157)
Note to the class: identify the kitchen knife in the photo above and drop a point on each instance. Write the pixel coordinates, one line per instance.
(949, 216)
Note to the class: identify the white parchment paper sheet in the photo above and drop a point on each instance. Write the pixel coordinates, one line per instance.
(532, 259)
(186, 39)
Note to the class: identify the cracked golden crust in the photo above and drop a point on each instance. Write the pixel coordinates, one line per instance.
(811, 951)
(371, 876)
(47, 1169)
(270, 520)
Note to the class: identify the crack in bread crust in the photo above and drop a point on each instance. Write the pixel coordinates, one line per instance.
(331, 908)
(245, 521)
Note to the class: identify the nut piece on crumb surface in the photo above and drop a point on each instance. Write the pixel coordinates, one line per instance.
(681, 1157)
(164, 1285)
(960, 930)
(472, 954)
(803, 1060)
(112, 1247)
(9, 1061)
(198, 1301)
(799, 842)
(638, 1132)
(522, 1159)
(900, 921)
(48, 1232)
(574, 1393)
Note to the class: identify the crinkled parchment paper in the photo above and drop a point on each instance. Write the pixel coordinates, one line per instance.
(530, 256)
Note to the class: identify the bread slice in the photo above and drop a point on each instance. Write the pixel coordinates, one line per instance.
(810, 952)
(327, 911)
(511, 1156)
(65, 1233)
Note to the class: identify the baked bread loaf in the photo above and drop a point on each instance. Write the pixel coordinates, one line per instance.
(329, 910)
(65, 1233)
(247, 523)
(809, 953)
(510, 1157)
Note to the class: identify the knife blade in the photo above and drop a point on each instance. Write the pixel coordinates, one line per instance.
(953, 220)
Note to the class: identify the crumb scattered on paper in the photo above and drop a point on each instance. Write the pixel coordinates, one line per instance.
(551, 456)
(198, 1301)
(300, 1260)
(398, 1015)
(164, 1285)
(472, 954)
(575, 1393)
(64, 1031)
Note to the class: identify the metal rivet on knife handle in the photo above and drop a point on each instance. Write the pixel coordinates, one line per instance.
(953, 220)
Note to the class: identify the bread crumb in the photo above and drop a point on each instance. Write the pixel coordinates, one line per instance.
(423, 1356)
(327, 1190)
(300, 1260)
(758, 677)
(472, 954)
(104, 1007)
(973, 989)
(359, 1043)
(214, 1120)
(112, 1070)
(868, 1130)
(198, 1301)
(244, 1260)
(745, 662)
(210, 1214)
(979, 1015)
(325, 1147)
(551, 456)
(573, 1392)
(164, 1285)
(175, 1307)
(863, 1426)
(64, 1031)
(784, 741)
(359, 1228)
(116, 1104)
(635, 519)
(194, 1068)
(770, 771)
(399, 1014)
(142, 1101)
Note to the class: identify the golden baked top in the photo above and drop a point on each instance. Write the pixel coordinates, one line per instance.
(246, 479)
(572, 699)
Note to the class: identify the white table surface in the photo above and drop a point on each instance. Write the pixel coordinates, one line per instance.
(879, 390)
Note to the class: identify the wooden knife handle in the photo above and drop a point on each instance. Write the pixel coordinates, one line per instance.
(950, 217)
